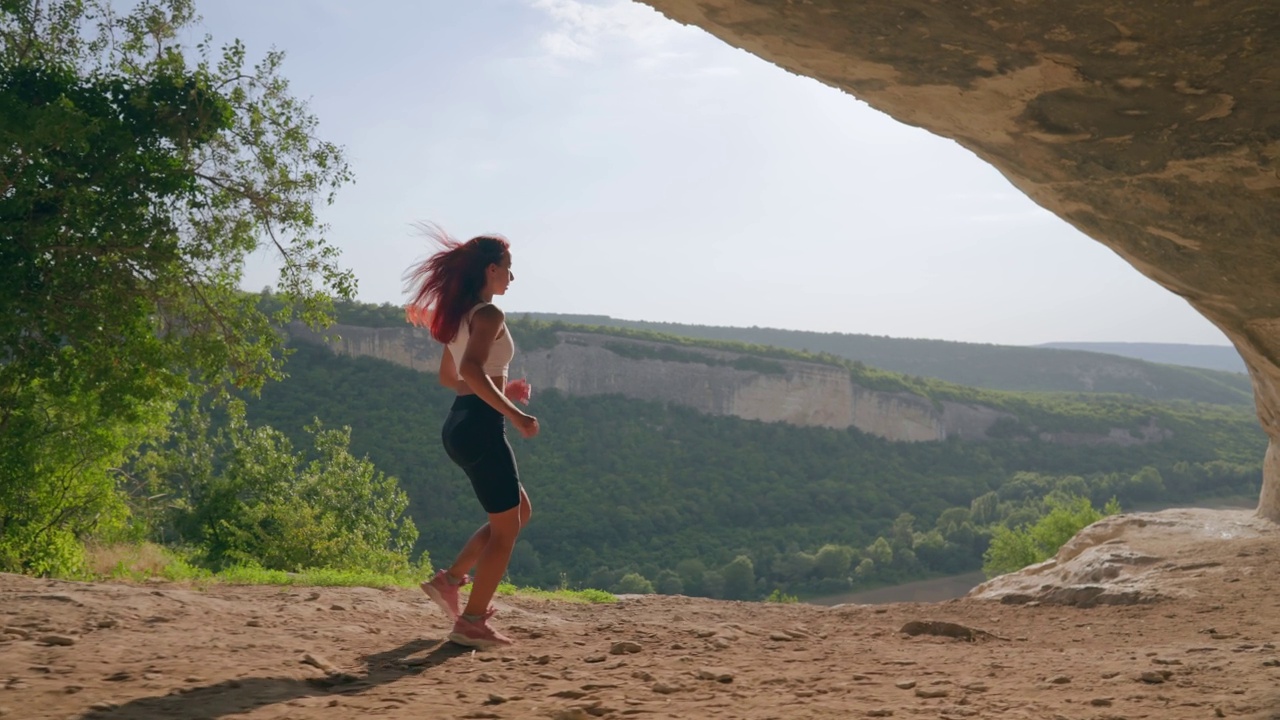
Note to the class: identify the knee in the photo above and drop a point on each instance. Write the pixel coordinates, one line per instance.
(505, 526)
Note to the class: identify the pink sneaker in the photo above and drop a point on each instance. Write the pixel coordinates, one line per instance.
(444, 593)
(477, 633)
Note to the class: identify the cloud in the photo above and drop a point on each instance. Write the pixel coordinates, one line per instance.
(585, 30)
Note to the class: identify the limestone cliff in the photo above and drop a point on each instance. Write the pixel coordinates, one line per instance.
(716, 382)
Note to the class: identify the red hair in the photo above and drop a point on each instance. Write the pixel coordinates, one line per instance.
(446, 285)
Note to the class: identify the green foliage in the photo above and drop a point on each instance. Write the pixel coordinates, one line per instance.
(59, 454)
(1014, 549)
(263, 504)
(668, 582)
(588, 595)
(668, 353)
(633, 584)
(739, 579)
(833, 561)
(777, 596)
(136, 176)
(686, 492)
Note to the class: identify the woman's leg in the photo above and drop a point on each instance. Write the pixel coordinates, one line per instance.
(494, 553)
(470, 554)
(475, 546)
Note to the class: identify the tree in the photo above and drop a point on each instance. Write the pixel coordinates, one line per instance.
(133, 184)
(633, 584)
(692, 574)
(833, 561)
(1146, 484)
(739, 579)
(1012, 550)
(983, 508)
(669, 583)
(903, 532)
(881, 552)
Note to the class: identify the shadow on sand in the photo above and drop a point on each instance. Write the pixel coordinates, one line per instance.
(241, 695)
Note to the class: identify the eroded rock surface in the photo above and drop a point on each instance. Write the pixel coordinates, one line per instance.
(1141, 558)
(1153, 128)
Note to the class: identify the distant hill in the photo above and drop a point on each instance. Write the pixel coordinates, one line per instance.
(1209, 357)
(996, 367)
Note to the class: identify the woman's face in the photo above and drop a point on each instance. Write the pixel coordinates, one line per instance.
(500, 275)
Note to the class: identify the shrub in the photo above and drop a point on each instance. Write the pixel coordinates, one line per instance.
(1031, 543)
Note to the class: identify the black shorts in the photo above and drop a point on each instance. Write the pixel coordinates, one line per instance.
(475, 437)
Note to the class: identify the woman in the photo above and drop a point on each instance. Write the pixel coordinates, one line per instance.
(453, 295)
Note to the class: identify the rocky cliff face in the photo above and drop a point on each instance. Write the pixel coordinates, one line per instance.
(798, 393)
(1152, 127)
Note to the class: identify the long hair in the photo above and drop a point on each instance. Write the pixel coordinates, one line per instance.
(446, 285)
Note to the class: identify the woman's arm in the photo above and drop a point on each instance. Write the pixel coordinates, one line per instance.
(449, 373)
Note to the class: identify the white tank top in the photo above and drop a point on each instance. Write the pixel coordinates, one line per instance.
(500, 352)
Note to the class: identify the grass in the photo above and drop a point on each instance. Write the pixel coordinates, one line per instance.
(142, 562)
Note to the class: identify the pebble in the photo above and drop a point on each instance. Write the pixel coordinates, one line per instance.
(905, 684)
(624, 648)
(935, 693)
(63, 640)
(318, 662)
(721, 675)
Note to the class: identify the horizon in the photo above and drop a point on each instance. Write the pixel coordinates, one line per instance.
(1225, 345)
(642, 168)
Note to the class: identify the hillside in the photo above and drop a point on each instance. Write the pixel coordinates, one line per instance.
(678, 496)
(1209, 357)
(998, 367)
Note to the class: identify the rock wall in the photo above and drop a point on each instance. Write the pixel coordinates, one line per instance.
(1154, 128)
(794, 392)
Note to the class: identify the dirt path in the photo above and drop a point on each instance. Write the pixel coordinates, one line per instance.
(112, 651)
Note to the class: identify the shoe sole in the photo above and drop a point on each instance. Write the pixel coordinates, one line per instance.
(435, 597)
(460, 639)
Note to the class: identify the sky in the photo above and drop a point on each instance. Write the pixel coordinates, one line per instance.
(646, 170)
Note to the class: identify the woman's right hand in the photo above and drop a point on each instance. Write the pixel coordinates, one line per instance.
(526, 424)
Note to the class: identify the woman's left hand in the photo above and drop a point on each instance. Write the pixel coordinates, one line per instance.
(518, 391)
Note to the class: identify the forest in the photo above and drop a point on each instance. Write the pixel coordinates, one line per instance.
(666, 497)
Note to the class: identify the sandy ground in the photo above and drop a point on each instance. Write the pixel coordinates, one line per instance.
(114, 651)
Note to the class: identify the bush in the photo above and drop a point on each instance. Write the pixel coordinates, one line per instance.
(267, 506)
(1012, 550)
(633, 584)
